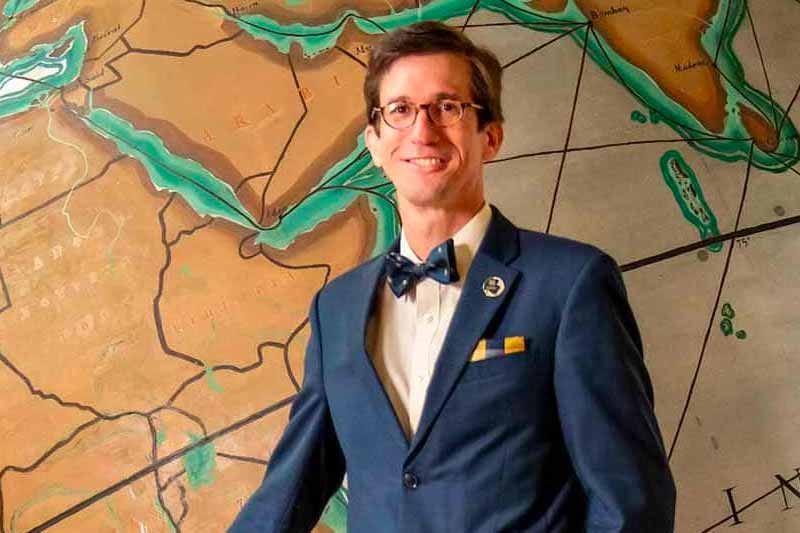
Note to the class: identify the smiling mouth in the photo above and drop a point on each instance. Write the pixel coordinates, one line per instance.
(426, 162)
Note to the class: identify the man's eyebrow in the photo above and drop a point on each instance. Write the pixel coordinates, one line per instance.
(437, 96)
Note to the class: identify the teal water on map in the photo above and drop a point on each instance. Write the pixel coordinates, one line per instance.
(18, 94)
(355, 175)
(339, 187)
(15, 7)
(735, 144)
(210, 196)
(200, 462)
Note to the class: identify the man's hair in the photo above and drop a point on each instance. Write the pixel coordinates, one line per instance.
(430, 38)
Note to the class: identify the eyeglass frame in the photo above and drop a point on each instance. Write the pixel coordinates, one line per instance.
(417, 107)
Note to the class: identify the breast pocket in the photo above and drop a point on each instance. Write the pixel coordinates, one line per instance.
(508, 357)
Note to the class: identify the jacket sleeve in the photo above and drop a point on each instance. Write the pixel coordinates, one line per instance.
(605, 405)
(307, 465)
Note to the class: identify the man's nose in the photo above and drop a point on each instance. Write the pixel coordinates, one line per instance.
(424, 130)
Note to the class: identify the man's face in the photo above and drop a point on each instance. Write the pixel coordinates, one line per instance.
(431, 165)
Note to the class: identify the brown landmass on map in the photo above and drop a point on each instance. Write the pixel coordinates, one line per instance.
(233, 126)
(30, 424)
(199, 26)
(219, 308)
(664, 41)
(548, 6)
(238, 394)
(98, 457)
(91, 279)
(331, 87)
(764, 133)
(313, 12)
(37, 168)
(48, 23)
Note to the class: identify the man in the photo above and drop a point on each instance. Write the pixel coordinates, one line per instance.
(498, 386)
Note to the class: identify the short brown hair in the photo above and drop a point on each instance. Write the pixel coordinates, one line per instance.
(432, 37)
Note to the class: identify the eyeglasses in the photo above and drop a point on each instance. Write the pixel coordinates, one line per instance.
(400, 115)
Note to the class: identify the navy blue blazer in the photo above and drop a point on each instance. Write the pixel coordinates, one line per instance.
(557, 437)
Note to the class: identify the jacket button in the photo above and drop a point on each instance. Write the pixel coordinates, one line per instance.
(410, 481)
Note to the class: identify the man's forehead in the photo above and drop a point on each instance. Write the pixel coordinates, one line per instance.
(411, 76)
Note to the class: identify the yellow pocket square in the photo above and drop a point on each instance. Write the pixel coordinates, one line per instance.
(488, 348)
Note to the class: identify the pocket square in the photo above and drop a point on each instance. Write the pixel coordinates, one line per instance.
(488, 348)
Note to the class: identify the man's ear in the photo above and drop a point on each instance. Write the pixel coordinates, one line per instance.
(372, 138)
(494, 140)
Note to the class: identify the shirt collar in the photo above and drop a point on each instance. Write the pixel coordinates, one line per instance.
(466, 240)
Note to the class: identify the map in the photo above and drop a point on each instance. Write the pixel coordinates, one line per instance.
(179, 177)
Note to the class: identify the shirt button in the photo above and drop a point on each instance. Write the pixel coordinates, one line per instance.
(428, 318)
(410, 481)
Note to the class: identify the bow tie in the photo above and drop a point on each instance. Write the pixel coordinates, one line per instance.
(404, 273)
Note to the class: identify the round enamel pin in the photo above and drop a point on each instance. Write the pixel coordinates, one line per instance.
(493, 286)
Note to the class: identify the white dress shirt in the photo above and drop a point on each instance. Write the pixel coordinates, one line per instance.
(405, 334)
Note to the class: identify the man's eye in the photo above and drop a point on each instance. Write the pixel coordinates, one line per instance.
(447, 106)
(399, 109)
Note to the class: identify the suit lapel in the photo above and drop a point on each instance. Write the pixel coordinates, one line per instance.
(472, 315)
(372, 277)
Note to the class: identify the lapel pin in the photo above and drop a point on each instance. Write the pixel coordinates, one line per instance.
(493, 286)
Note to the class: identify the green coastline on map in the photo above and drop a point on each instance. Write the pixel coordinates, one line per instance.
(27, 81)
(18, 91)
(338, 188)
(15, 7)
(682, 181)
(732, 144)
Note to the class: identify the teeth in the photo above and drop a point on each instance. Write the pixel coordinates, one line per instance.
(426, 161)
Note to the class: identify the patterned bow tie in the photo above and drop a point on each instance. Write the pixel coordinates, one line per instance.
(404, 273)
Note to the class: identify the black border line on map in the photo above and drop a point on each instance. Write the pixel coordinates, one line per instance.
(265, 174)
(539, 47)
(296, 331)
(243, 458)
(50, 451)
(175, 526)
(193, 49)
(177, 454)
(174, 477)
(791, 169)
(680, 250)
(227, 367)
(472, 11)
(6, 295)
(722, 32)
(763, 64)
(713, 318)
(242, 243)
(46, 395)
(745, 507)
(351, 56)
(288, 141)
(528, 25)
(186, 232)
(569, 127)
(604, 146)
(788, 109)
(368, 190)
(121, 36)
(162, 338)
